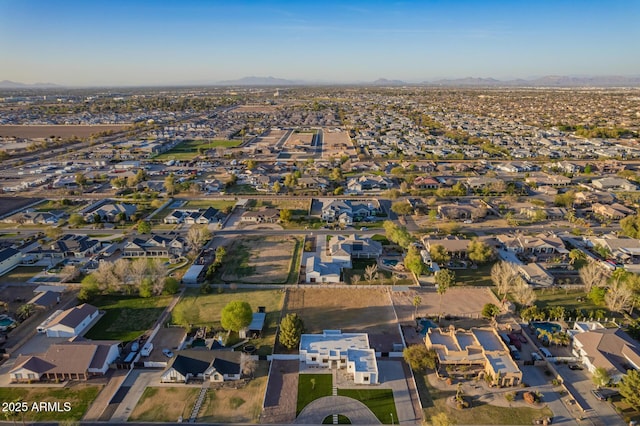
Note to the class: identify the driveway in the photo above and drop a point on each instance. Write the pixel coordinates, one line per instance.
(392, 375)
(538, 381)
(580, 385)
(136, 383)
(356, 411)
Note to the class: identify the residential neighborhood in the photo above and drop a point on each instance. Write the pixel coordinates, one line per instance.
(322, 255)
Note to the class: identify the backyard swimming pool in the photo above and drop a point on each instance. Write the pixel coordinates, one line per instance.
(426, 324)
(550, 327)
(6, 322)
(390, 262)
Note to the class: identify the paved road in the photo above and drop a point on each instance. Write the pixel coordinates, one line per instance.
(356, 411)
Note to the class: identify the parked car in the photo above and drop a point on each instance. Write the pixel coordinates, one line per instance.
(575, 367)
(167, 353)
(604, 394)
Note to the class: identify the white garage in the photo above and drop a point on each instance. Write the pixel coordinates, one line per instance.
(72, 322)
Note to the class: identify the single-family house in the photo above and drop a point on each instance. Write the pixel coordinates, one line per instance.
(614, 184)
(265, 215)
(108, 211)
(480, 351)
(71, 245)
(198, 364)
(536, 275)
(317, 271)
(355, 247)
(615, 211)
(608, 348)
(334, 349)
(9, 259)
(456, 248)
(367, 183)
(426, 182)
(155, 246)
(77, 360)
(72, 322)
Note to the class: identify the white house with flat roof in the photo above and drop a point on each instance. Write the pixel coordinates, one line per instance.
(335, 349)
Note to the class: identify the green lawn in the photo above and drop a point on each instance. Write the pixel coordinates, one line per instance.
(309, 392)
(475, 277)
(435, 401)
(359, 266)
(379, 401)
(203, 204)
(295, 261)
(342, 420)
(569, 300)
(241, 189)
(126, 317)
(204, 310)
(78, 396)
(187, 150)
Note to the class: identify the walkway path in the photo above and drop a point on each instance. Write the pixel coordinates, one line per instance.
(319, 409)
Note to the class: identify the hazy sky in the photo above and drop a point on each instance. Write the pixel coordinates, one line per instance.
(100, 42)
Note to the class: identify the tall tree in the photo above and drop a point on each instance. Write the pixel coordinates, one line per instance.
(170, 184)
(197, 236)
(480, 252)
(413, 261)
(629, 388)
(420, 358)
(371, 273)
(439, 254)
(444, 279)
(291, 328)
(592, 275)
(236, 315)
(490, 311)
(523, 293)
(503, 275)
(417, 300)
(402, 208)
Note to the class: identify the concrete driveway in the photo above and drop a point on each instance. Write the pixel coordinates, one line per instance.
(538, 381)
(392, 375)
(580, 385)
(136, 383)
(356, 411)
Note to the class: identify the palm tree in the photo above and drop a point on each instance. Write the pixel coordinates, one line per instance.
(25, 311)
(417, 300)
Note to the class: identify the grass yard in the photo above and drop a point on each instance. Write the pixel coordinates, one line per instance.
(187, 150)
(434, 402)
(126, 317)
(165, 404)
(241, 189)
(359, 266)
(342, 420)
(243, 405)
(308, 391)
(80, 396)
(205, 309)
(475, 277)
(21, 274)
(569, 300)
(379, 401)
(203, 204)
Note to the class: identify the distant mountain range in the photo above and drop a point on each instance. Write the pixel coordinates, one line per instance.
(7, 84)
(547, 81)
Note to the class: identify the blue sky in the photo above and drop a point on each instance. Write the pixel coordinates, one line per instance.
(98, 42)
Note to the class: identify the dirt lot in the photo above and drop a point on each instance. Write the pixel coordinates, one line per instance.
(256, 108)
(17, 295)
(282, 393)
(349, 310)
(62, 131)
(336, 144)
(9, 204)
(457, 301)
(231, 405)
(259, 260)
(165, 404)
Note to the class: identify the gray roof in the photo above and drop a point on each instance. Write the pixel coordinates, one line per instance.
(8, 253)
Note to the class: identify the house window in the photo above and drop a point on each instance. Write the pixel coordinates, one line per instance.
(313, 359)
(31, 376)
(18, 376)
(366, 378)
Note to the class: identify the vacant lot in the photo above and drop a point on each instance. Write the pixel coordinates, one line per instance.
(187, 150)
(9, 204)
(58, 131)
(17, 295)
(165, 404)
(457, 301)
(259, 260)
(126, 318)
(205, 309)
(349, 310)
(20, 275)
(230, 405)
(79, 396)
